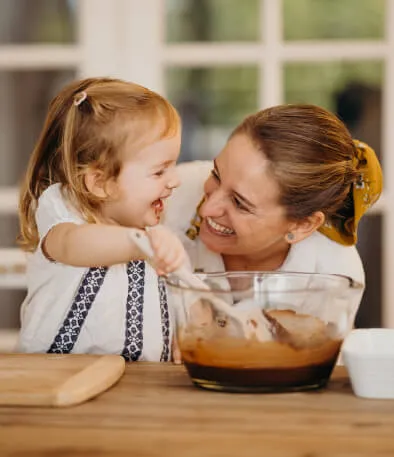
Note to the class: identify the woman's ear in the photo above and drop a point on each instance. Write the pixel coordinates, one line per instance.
(302, 229)
(98, 184)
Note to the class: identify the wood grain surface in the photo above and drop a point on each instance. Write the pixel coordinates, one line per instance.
(155, 411)
(56, 379)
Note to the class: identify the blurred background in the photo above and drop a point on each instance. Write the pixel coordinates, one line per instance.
(217, 61)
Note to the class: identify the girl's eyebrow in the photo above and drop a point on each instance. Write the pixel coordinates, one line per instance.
(239, 196)
(165, 164)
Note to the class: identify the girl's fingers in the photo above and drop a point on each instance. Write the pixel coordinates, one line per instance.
(174, 263)
(168, 249)
(170, 257)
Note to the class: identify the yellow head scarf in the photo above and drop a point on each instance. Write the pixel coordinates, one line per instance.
(366, 191)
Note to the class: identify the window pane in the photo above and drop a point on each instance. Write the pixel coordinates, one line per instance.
(333, 19)
(9, 229)
(38, 21)
(212, 20)
(370, 248)
(354, 92)
(10, 302)
(24, 96)
(211, 102)
(351, 90)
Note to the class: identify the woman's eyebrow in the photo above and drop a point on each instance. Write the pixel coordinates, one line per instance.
(238, 195)
(244, 200)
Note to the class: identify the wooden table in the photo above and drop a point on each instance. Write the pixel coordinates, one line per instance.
(155, 411)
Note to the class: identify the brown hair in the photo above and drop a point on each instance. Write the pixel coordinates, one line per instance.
(86, 126)
(311, 155)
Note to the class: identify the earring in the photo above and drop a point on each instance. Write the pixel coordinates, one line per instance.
(290, 237)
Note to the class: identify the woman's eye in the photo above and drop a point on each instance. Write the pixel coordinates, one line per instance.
(160, 173)
(239, 205)
(215, 175)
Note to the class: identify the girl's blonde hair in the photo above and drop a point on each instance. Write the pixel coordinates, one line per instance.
(87, 124)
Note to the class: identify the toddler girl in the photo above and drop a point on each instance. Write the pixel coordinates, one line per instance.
(104, 162)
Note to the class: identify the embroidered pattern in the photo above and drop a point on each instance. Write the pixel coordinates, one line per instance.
(134, 311)
(165, 321)
(90, 285)
(68, 333)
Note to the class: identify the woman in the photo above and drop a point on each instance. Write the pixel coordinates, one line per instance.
(285, 193)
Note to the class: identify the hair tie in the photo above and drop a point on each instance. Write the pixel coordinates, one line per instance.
(80, 98)
(365, 190)
(359, 157)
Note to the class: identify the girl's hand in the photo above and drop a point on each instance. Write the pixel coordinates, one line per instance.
(168, 249)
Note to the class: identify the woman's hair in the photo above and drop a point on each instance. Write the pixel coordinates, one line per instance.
(311, 155)
(86, 127)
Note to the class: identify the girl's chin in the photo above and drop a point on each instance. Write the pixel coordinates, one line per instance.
(152, 218)
(151, 222)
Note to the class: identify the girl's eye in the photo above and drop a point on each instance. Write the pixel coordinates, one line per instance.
(215, 175)
(160, 173)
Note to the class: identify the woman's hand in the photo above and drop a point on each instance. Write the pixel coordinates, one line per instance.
(168, 249)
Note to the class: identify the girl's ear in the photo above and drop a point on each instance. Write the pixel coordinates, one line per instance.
(97, 184)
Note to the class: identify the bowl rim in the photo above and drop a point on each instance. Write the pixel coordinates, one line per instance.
(351, 344)
(173, 282)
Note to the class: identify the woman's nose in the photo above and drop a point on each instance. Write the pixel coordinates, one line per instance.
(214, 204)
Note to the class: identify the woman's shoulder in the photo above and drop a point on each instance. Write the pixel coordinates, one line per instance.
(335, 258)
(182, 204)
(319, 254)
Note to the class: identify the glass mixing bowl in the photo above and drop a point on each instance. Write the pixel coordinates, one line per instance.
(276, 331)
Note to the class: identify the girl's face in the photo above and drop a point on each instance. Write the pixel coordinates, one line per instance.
(241, 214)
(147, 178)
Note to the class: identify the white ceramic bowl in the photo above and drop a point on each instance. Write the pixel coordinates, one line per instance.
(369, 357)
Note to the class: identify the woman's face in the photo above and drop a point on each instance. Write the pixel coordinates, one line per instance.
(241, 213)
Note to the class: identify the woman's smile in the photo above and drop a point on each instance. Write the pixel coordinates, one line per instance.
(217, 228)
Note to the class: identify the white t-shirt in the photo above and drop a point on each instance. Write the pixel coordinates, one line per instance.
(121, 309)
(315, 254)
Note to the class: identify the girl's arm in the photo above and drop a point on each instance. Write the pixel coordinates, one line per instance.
(92, 245)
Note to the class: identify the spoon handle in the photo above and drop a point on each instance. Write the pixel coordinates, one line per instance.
(202, 290)
(184, 274)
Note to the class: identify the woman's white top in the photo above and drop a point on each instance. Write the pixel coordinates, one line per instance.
(121, 309)
(315, 254)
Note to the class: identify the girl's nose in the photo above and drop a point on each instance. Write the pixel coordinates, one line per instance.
(174, 180)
